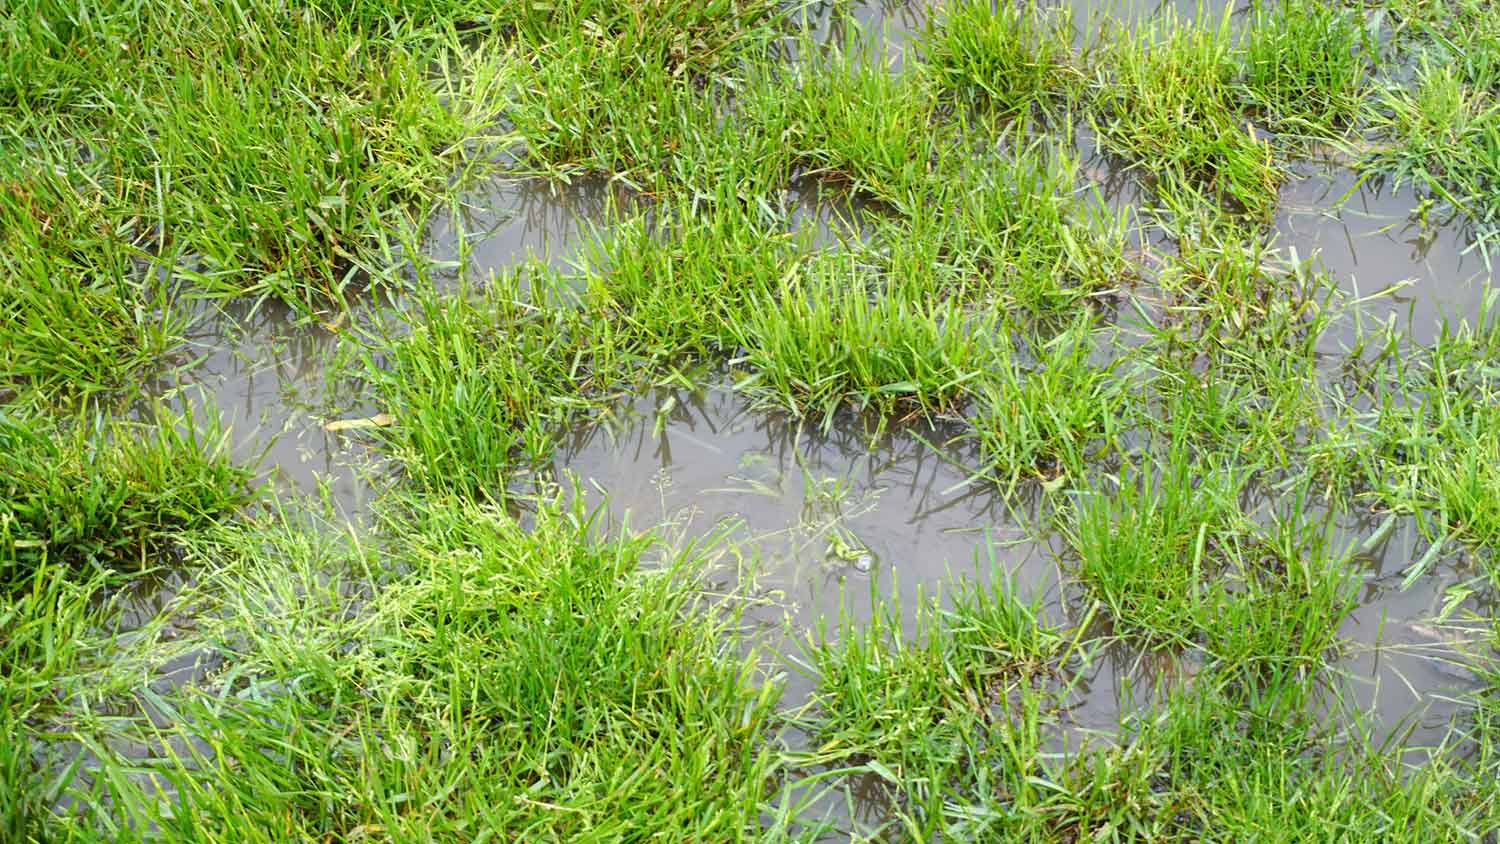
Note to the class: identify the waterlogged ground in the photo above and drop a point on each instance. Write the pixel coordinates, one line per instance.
(895, 421)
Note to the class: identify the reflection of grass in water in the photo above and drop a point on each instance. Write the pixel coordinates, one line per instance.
(823, 523)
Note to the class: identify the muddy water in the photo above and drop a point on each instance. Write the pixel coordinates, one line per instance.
(1374, 241)
(824, 518)
(821, 520)
(503, 222)
(265, 376)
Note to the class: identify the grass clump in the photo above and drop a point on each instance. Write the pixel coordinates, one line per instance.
(479, 386)
(847, 119)
(1462, 34)
(936, 718)
(1008, 227)
(1445, 140)
(637, 90)
(268, 150)
(690, 41)
(1147, 549)
(1306, 66)
(671, 287)
(1171, 106)
(1010, 56)
(112, 324)
(284, 185)
(1177, 563)
(830, 336)
(1435, 432)
(549, 683)
(22, 800)
(1236, 347)
(109, 495)
(1050, 416)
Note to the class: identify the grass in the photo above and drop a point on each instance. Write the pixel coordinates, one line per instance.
(117, 323)
(1445, 140)
(1008, 225)
(670, 288)
(828, 337)
(1459, 33)
(1010, 57)
(108, 495)
(264, 150)
(1237, 345)
(1169, 104)
(1148, 549)
(954, 708)
(475, 385)
(1306, 65)
(1187, 424)
(848, 120)
(1048, 415)
(557, 689)
(1436, 430)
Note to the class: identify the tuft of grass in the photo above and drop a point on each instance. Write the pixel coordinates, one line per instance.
(22, 802)
(671, 282)
(1177, 563)
(1462, 34)
(112, 325)
(110, 495)
(829, 337)
(1435, 432)
(1236, 348)
(1169, 104)
(284, 185)
(848, 119)
(1306, 65)
(1148, 549)
(267, 149)
(1008, 226)
(477, 384)
(1012, 57)
(1445, 140)
(1049, 414)
(691, 42)
(549, 682)
(640, 90)
(935, 717)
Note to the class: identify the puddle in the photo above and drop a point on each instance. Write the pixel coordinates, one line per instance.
(895, 23)
(266, 376)
(1375, 241)
(503, 222)
(1092, 15)
(822, 517)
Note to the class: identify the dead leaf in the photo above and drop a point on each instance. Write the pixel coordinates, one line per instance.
(379, 420)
